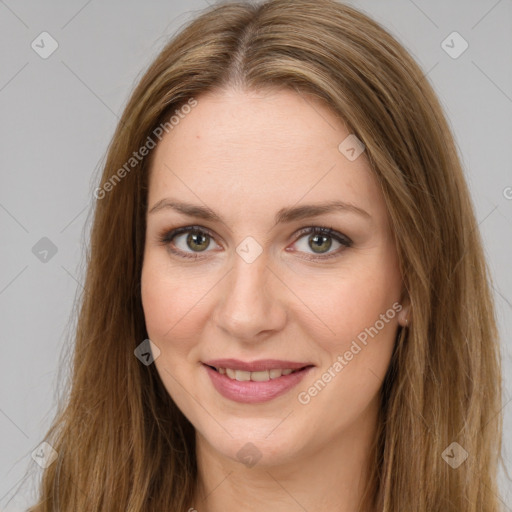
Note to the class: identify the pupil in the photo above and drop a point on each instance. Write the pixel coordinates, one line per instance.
(195, 238)
(315, 244)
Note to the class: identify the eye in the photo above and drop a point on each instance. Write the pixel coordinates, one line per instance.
(191, 241)
(320, 241)
(187, 241)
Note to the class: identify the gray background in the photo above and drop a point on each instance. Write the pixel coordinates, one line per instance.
(58, 115)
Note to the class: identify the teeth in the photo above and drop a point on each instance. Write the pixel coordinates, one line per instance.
(260, 376)
(241, 375)
(275, 373)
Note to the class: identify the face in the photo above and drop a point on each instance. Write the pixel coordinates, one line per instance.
(245, 260)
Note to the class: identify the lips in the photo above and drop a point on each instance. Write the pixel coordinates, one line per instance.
(256, 366)
(256, 381)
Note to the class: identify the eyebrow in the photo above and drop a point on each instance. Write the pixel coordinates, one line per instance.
(284, 215)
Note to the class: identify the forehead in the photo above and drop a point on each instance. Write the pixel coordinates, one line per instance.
(261, 149)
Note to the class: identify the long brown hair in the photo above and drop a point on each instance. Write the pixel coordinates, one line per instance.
(122, 444)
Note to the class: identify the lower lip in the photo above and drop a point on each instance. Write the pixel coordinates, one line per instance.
(251, 392)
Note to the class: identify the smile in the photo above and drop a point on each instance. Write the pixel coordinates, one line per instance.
(255, 382)
(261, 376)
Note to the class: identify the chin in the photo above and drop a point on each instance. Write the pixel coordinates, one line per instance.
(250, 450)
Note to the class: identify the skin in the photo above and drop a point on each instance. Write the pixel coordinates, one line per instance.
(246, 155)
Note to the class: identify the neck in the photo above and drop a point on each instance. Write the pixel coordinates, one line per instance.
(332, 476)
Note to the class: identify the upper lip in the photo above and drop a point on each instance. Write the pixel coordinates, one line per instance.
(256, 366)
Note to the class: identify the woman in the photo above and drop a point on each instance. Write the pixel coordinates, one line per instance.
(287, 305)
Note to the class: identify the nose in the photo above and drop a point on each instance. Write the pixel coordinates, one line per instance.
(250, 303)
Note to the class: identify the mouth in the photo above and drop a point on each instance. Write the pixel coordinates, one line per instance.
(255, 382)
(256, 376)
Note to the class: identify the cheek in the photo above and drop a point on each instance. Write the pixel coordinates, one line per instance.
(356, 332)
(351, 304)
(169, 304)
(172, 320)
(157, 301)
(355, 359)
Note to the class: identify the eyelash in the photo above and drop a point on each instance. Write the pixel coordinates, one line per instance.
(167, 237)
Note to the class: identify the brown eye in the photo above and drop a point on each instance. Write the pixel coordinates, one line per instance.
(320, 240)
(187, 241)
(320, 243)
(198, 241)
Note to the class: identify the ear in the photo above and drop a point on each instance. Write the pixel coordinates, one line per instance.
(404, 314)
